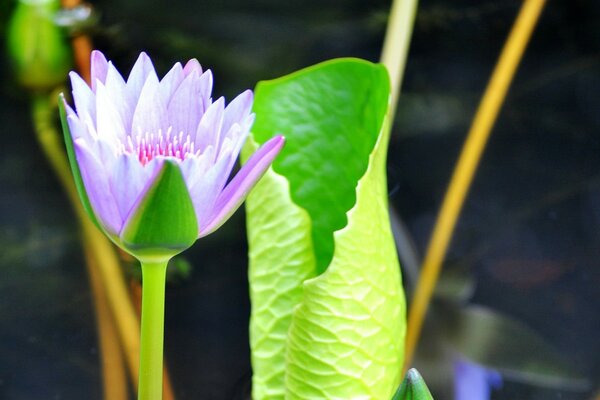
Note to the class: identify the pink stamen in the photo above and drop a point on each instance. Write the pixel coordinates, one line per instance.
(147, 146)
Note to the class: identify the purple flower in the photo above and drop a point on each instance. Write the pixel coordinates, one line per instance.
(473, 381)
(126, 133)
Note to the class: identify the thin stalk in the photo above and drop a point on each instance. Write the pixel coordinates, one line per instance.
(114, 376)
(96, 243)
(466, 166)
(394, 55)
(396, 44)
(153, 316)
(114, 382)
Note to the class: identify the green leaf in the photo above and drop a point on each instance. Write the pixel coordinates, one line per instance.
(73, 162)
(164, 223)
(413, 387)
(281, 259)
(501, 343)
(331, 115)
(328, 308)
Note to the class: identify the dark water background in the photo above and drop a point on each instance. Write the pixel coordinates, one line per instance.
(529, 233)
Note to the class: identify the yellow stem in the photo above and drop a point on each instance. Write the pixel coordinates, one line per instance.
(114, 376)
(464, 171)
(96, 243)
(396, 44)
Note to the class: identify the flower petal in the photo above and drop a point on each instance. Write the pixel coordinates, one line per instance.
(95, 179)
(85, 103)
(150, 114)
(206, 84)
(99, 68)
(209, 127)
(130, 180)
(170, 82)
(185, 107)
(192, 66)
(140, 72)
(77, 128)
(236, 191)
(109, 123)
(205, 191)
(195, 168)
(238, 110)
(115, 85)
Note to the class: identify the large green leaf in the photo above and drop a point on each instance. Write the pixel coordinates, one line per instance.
(327, 303)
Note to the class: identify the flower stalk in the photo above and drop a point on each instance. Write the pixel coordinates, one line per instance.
(152, 331)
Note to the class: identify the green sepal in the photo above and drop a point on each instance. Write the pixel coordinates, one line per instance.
(413, 387)
(73, 162)
(164, 222)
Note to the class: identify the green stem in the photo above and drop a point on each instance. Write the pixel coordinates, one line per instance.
(153, 316)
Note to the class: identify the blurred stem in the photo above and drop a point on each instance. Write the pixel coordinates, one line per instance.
(95, 244)
(395, 46)
(393, 55)
(466, 166)
(113, 367)
(82, 46)
(153, 318)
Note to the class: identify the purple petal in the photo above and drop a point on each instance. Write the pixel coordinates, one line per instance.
(237, 110)
(85, 103)
(77, 129)
(109, 123)
(236, 191)
(140, 72)
(205, 191)
(192, 66)
(97, 187)
(195, 168)
(473, 381)
(209, 127)
(99, 68)
(185, 107)
(206, 84)
(150, 114)
(170, 82)
(115, 85)
(129, 181)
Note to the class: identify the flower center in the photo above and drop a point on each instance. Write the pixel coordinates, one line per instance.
(150, 145)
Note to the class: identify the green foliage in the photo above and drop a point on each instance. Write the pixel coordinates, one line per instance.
(331, 115)
(164, 222)
(38, 48)
(413, 387)
(327, 303)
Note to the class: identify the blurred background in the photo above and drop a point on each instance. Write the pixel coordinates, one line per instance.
(525, 259)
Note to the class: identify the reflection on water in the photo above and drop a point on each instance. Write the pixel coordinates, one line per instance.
(529, 232)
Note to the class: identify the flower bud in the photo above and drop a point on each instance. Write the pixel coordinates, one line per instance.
(413, 387)
(38, 48)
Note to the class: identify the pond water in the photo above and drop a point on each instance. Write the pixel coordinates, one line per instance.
(528, 238)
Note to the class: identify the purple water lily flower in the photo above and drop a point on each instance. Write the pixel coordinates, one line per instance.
(123, 133)
(473, 381)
